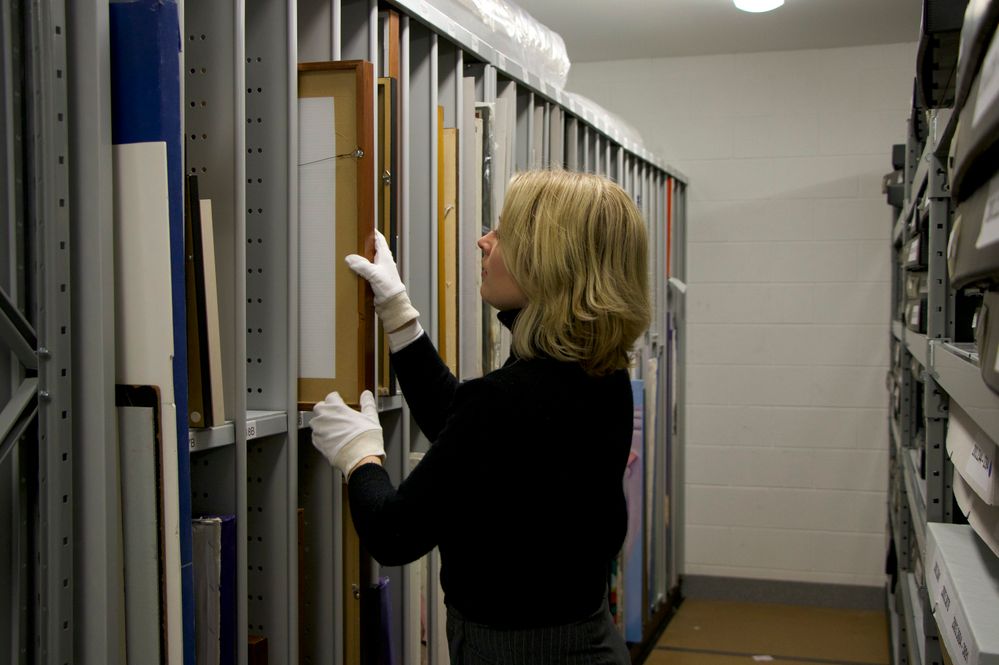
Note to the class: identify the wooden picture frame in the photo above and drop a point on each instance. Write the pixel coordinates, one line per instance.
(447, 241)
(388, 211)
(350, 85)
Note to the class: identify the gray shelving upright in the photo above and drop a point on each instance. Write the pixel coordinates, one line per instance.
(38, 410)
(98, 609)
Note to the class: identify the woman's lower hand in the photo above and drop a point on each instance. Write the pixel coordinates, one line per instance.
(344, 436)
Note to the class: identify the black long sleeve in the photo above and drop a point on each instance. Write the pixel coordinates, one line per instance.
(427, 383)
(521, 490)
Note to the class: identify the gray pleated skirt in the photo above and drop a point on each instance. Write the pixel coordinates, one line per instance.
(592, 641)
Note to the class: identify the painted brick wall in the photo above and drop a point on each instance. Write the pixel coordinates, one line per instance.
(786, 469)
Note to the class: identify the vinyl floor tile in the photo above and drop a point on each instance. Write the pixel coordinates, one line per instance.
(704, 632)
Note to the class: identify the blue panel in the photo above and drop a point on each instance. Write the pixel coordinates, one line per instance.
(634, 543)
(145, 106)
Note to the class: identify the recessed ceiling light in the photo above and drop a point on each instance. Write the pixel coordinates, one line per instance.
(757, 6)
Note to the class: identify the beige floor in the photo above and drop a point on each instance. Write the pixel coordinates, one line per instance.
(728, 633)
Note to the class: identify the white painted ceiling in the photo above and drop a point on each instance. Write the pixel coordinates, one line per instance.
(625, 29)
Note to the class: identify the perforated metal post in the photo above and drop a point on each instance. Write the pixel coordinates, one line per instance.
(940, 325)
(48, 309)
(215, 146)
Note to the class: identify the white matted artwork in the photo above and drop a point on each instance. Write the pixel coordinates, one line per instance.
(316, 237)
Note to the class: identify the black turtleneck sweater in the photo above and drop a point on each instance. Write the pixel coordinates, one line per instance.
(521, 490)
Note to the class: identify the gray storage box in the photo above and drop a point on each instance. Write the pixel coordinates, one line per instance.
(973, 247)
(980, 20)
(987, 339)
(975, 149)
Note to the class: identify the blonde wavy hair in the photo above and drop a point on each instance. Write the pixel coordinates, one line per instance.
(578, 248)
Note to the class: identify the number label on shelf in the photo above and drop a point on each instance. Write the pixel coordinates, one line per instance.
(190, 439)
(251, 430)
(301, 419)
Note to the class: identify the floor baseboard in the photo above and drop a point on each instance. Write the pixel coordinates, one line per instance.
(812, 594)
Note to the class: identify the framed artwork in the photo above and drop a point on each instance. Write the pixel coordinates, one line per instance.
(336, 218)
(388, 211)
(447, 241)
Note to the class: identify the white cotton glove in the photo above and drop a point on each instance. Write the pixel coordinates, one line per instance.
(345, 436)
(391, 300)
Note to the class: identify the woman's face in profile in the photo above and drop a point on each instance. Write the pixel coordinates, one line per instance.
(499, 289)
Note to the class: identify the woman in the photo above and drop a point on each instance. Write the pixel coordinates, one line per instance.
(522, 487)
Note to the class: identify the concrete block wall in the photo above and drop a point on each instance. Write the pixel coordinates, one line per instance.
(786, 472)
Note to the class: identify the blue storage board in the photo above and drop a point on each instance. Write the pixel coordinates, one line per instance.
(145, 107)
(634, 543)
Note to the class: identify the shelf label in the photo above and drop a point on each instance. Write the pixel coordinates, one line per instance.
(988, 88)
(251, 430)
(978, 468)
(190, 439)
(301, 419)
(989, 233)
(959, 636)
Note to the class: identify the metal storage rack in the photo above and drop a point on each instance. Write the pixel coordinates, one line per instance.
(931, 374)
(59, 474)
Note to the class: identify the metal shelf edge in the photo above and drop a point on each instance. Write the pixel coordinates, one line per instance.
(386, 403)
(914, 493)
(961, 378)
(206, 438)
(916, 343)
(909, 619)
(258, 424)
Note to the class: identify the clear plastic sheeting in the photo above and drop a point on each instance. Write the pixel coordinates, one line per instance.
(605, 121)
(511, 31)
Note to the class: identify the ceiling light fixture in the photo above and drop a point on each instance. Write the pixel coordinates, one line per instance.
(758, 6)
